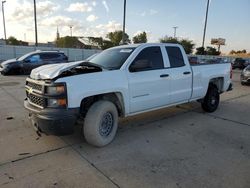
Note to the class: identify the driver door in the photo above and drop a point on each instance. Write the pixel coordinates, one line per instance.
(148, 86)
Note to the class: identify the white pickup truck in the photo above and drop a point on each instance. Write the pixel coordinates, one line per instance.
(119, 82)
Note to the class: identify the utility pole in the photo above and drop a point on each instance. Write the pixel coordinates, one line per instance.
(175, 28)
(35, 21)
(4, 20)
(70, 30)
(124, 22)
(205, 26)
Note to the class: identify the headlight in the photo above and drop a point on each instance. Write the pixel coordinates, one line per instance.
(57, 103)
(57, 96)
(56, 90)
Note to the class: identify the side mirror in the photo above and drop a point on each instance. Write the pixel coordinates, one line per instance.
(27, 61)
(140, 65)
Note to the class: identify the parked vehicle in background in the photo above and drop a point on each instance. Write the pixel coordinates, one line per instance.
(240, 63)
(27, 62)
(120, 82)
(193, 60)
(245, 76)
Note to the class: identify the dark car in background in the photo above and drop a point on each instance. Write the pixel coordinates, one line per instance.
(27, 62)
(240, 63)
(245, 76)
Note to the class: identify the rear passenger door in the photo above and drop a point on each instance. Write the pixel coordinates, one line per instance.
(148, 87)
(50, 58)
(181, 75)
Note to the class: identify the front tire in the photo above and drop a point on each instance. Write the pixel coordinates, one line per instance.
(100, 124)
(212, 99)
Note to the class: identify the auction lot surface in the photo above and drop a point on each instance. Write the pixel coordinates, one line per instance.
(174, 147)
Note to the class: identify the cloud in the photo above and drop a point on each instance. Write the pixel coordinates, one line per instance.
(152, 12)
(62, 21)
(105, 5)
(26, 10)
(79, 7)
(143, 14)
(110, 26)
(91, 18)
(94, 3)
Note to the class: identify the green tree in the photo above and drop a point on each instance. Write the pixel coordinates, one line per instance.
(116, 37)
(101, 43)
(188, 45)
(200, 51)
(208, 51)
(106, 44)
(212, 51)
(140, 38)
(167, 39)
(67, 42)
(13, 41)
(232, 52)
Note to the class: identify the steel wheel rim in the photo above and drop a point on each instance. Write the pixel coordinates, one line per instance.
(106, 125)
(214, 100)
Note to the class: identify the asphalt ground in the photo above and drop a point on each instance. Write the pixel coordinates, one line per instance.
(175, 147)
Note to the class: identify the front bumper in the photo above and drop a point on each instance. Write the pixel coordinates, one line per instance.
(52, 121)
(3, 70)
(245, 79)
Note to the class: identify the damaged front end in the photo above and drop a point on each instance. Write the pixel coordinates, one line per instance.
(47, 100)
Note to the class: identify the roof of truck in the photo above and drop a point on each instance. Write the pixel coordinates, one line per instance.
(143, 44)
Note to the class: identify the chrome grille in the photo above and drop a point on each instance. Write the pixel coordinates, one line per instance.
(38, 101)
(34, 86)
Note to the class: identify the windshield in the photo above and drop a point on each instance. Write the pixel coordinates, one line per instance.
(112, 58)
(24, 56)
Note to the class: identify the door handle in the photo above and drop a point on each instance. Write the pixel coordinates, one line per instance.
(164, 75)
(187, 72)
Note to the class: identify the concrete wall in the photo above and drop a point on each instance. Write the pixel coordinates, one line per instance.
(8, 52)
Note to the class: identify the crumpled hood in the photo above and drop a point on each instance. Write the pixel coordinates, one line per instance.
(8, 62)
(51, 71)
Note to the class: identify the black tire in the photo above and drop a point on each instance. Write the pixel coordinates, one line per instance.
(212, 99)
(100, 124)
(243, 83)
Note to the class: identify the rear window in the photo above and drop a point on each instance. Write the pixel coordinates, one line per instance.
(175, 56)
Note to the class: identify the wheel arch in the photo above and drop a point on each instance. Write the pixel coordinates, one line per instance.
(114, 97)
(218, 82)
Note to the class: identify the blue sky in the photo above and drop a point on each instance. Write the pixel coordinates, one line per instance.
(229, 19)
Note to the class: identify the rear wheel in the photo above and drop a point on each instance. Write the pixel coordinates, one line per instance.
(243, 83)
(100, 124)
(212, 99)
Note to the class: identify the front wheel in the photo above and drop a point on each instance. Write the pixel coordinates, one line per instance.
(212, 99)
(100, 124)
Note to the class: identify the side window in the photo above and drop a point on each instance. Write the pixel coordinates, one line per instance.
(149, 58)
(34, 58)
(48, 56)
(44, 56)
(175, 56)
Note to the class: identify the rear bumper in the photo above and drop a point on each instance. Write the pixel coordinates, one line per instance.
(52, 121)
